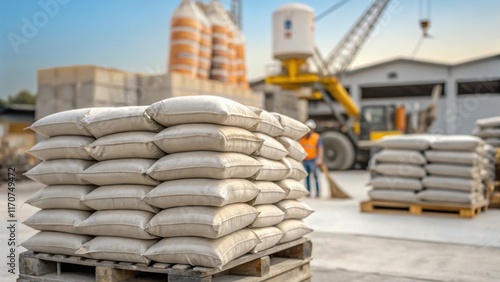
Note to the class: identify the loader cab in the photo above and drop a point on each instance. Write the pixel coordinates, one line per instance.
(377, 121)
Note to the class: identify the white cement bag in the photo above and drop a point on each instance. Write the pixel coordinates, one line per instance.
(62, 147)
(60, 220)
(121, 223)
(62, 123)
(393, 195)
(486, 132)
(295, 150)
(59, 172)
(117, 249)
(125, 145)
(293, 189)
(407, 142)
(271, 170)
(202, 109)
(120, 197)
(207, 137)
(297, 170)
(389, 182)
(400, 157)
(271, 148)
(201, 192)
(488, 122)
(462, 171)
(452, 183)
(268, 123)
(101, 122)
(270, 193)
(457, 142)
(453, 157)
(207, 222)
(61, 197)
(57, 243)
(204, 164)
(269, 236)
(450, 196)
(293, 128)
(293, 229)
(400, 170)
(199, 251)
(269, 215)
(495, 142)
(123, 171)
(294, 209)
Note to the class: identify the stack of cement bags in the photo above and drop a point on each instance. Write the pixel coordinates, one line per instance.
(489, 130)
(197, 180)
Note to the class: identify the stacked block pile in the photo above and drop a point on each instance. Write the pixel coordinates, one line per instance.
(197, 180)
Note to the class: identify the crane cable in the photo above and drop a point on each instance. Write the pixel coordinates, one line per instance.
(417, 47)
(330, 10)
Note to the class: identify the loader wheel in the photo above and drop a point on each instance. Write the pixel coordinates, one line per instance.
(339, 153)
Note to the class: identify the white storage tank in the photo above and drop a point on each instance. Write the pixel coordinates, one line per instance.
(293, 32)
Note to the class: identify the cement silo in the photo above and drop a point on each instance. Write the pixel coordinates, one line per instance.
(220, 42)
(240, 63)
(205, 51)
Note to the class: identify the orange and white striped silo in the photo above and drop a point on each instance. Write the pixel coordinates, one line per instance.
(205, 52)
(241, 68)
(232, 38)
(220, 42)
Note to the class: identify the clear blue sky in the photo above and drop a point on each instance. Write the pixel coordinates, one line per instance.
(133, 34)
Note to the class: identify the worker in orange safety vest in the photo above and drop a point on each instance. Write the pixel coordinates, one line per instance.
(314, 148)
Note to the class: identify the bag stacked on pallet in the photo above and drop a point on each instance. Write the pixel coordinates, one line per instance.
(489, 130)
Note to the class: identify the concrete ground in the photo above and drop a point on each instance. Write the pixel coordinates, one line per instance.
(354, 246)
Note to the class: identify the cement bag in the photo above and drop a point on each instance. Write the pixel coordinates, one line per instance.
(400, 170)
(488, 122)
(495, 142)
(62, 147)
(202, 109)
(125, 145)
(453, 157)
(60, 220)
(269, 215)
(269, 237)
(270, 149)
(120, 197)
(407, 142)
(293, 189)
(198, 251)
(486, 132)
(293, 128)
(270, 193)
(400, 157)
(59, 172)
(271, 170)
(123, 171)
(393, 195)
(457, 142)
(61, 197)
(207, 222)
(268, 124)
(201, 192)
(204, 164)
(295, 150)
(389, 182)
(450, 196)
(293, 229)
(297, 170)
(62, 123)
(294, 209)
(101, 122)
(207, 137)
(462, 171)
(452, 183)
(121, 223)
(55, 243)
(117, 249)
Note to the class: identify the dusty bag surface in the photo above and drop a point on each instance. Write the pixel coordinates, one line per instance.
(268, 123)
(393, 195)
(120, 197)
(56, 243)
(269, 215)
(61, 197)
(270, 193)
(202, 109)
(199, 251)
(101, 122)
(407, 142)
(121, 223)
(294, 209)
(390, 182)
(271, 148)
(207, 137)
(453, 157)
(201, 192)
(61, 220)
(295, 150)
(463, 171)
(292, 128)
(123, 171)
(450, 196)
(400, 157)
(204, 164)
(62, 123)
(207, 222)
(62, 147)
(271, 170)
(269, 237)
(293, 189)
(293, 229)
(452, 183)
(457, 142)
(400, 170)
(297, 170)
(60, 172)
(125, 145)
(117, 249)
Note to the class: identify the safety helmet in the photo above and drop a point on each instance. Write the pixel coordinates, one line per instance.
(311, 124)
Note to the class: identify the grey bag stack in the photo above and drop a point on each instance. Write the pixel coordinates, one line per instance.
(489, 130)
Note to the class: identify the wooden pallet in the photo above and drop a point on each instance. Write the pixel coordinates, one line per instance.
(421, 208)
(284, 262)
